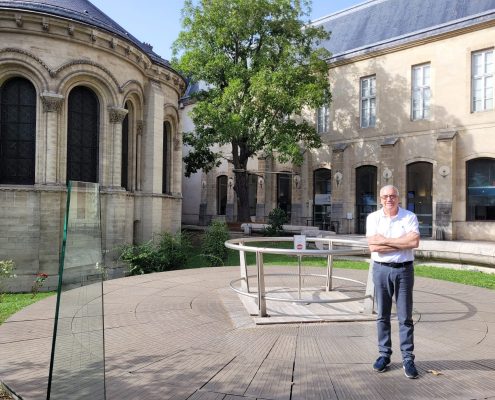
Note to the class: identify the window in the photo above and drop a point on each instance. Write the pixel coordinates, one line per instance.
(284, 192)
(368, 102)
(480, 189)
(252, 193)
(17, 132)
(366, 195)
(82, 135)
(221, 194)
(167, 136)
(322, 119)
(421, 92)
(322, 198)
(482, 80)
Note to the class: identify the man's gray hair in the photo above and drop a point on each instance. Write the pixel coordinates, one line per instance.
(390, 187)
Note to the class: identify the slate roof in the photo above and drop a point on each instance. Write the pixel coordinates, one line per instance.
(85, 12)
(377, 24)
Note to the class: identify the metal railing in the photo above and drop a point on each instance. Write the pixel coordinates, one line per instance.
(325, 247)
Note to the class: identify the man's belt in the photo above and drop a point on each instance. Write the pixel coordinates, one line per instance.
(395, 265)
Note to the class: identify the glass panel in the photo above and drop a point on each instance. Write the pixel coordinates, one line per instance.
(322, 211)
(284, 193)
(78, 360)
(221, 194)
(481, 190)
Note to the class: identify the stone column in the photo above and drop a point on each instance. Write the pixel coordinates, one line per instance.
(261, 192)
(52, 104)
(139, 145)
(114, 170)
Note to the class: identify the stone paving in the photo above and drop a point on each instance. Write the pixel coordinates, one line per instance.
(186, 335)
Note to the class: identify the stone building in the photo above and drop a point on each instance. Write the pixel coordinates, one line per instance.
(412, 105)
(82, 99)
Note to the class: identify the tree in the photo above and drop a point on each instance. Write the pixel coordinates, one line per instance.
(262, 66)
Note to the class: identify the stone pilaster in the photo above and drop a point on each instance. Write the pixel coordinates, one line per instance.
(52, 104)
(341, 180)
(139, 149)
(444, 183)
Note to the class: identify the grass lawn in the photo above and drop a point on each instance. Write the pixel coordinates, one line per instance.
(11, 303)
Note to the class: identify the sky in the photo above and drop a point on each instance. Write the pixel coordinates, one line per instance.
(157, 22)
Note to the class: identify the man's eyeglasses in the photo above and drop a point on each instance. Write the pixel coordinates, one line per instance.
(389, 196)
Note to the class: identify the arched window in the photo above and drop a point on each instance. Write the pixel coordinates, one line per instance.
(366, 178)
(17, 132)
(480, 189)
(221, 194)
(124, 181)
(419, 196)
(167, 159)
(322, 202)
(82, 135)
(284, 193)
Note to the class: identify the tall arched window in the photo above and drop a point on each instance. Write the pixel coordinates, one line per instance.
(284, 193)
(322, 202)
(167, 159)
(17, 132)
(419, 194)
(221, 194)
(366, 180)
(125, 150)
(480, 189)
(82, 135)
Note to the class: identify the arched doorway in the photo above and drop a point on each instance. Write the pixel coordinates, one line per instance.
(419, 198)
(365, 195)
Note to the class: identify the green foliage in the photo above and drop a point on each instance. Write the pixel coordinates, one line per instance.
(7, 271)
(213, 247)
(262, 67)
(276, 219)
(170, 252)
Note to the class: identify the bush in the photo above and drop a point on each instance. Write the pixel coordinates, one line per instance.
(7, 271)
(276, 219)
(171, 252)
(213, 247)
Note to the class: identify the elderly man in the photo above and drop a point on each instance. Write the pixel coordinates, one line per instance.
(392, 233)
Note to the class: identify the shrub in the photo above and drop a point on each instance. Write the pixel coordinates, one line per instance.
(170, 252)
(213, 247)
(7, 268)
(276, 219)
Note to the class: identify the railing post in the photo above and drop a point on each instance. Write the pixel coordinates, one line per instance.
(329, 267)
(299, 276)
(261, 285)
(369, 301)
(244, 271)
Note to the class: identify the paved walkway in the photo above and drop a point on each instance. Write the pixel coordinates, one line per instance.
(185, 335)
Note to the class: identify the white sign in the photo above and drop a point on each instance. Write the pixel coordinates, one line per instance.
(323, 199)
(299, 242)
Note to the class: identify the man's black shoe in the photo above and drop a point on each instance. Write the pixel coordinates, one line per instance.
(410, 370)
(381, 364)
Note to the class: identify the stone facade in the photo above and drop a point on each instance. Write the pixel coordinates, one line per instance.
(359, 160)
(57, 55)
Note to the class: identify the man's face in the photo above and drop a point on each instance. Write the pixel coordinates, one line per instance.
(389, 200)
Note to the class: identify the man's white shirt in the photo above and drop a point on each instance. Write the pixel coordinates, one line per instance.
(404, 222)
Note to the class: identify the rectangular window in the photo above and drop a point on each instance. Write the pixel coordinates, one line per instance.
(482, 80)
(322, 119)
(420, 92)
(368, 102)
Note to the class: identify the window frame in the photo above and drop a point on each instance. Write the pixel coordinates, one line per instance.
(423, 90)
(367, 102)
(484, 76)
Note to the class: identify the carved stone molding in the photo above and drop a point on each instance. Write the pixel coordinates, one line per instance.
(45, 24)
(18, 20)
(117, 114)
(52, 102)
(70, 29)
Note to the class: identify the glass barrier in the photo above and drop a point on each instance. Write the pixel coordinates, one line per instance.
(77, 365)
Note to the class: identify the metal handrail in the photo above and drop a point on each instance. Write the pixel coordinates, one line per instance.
(239, 244)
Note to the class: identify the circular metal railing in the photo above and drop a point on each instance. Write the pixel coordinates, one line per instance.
(325, 247)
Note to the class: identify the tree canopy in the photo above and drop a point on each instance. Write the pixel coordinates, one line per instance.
(261, 63)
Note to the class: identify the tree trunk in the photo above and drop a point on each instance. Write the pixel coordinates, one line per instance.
(241, 189)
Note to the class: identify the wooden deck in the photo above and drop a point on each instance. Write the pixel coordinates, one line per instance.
(185, 335)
